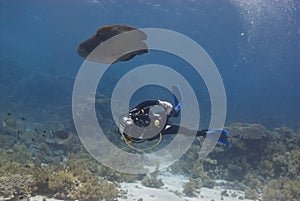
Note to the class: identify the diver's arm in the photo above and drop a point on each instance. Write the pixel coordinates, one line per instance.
(165, 104)
(144, 105)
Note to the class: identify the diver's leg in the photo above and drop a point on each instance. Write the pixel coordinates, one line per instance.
(173, 129)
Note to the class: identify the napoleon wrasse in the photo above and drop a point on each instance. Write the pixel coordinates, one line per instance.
(114, 43)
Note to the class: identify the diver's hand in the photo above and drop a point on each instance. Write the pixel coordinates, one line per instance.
(222, 134)
(165, 104)
(134, 111)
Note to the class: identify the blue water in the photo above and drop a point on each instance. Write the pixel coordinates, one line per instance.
(255, 46)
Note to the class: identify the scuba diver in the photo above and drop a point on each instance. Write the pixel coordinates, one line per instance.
(141, 123)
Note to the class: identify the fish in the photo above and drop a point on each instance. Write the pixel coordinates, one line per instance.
(113, 43)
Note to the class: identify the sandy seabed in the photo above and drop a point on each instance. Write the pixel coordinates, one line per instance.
(172, 190)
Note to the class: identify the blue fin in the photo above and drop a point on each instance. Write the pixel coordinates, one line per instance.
(223, 138)
(177, 97)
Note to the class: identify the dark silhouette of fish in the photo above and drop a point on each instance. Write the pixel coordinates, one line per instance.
(114, 43)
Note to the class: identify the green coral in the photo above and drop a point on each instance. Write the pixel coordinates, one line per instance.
(84, 160)
(73, 182)
(62, 183)
(15, 161)
(282, 189)
(251, 194)
(257, 156)
(207, 181)
(198, 172)
(248, 142)
(252, 182)
(280, 162)
(77, 179)
(189, 188)
(152, 181)
(277, 161)
(113, 175)
(190, 164)
(16, 186)
(108, 190)
(94, 189)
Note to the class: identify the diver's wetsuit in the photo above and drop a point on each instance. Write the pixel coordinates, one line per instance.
(140, 114)
(184, 131)
(150, 125)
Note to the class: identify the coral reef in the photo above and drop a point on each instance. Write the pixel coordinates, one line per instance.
(152, 181)
(189, 188)
(251, 194)
(60, 181)
(66, 184)
(278, 161)
(273, 161)
(248, 131)
(118, 176)
(16, 186)
(282, 189)
(190, 164)
(77, 179)
(62, 134)
(74, 176)
(50, 161)
(257, 155)
(252, 182)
